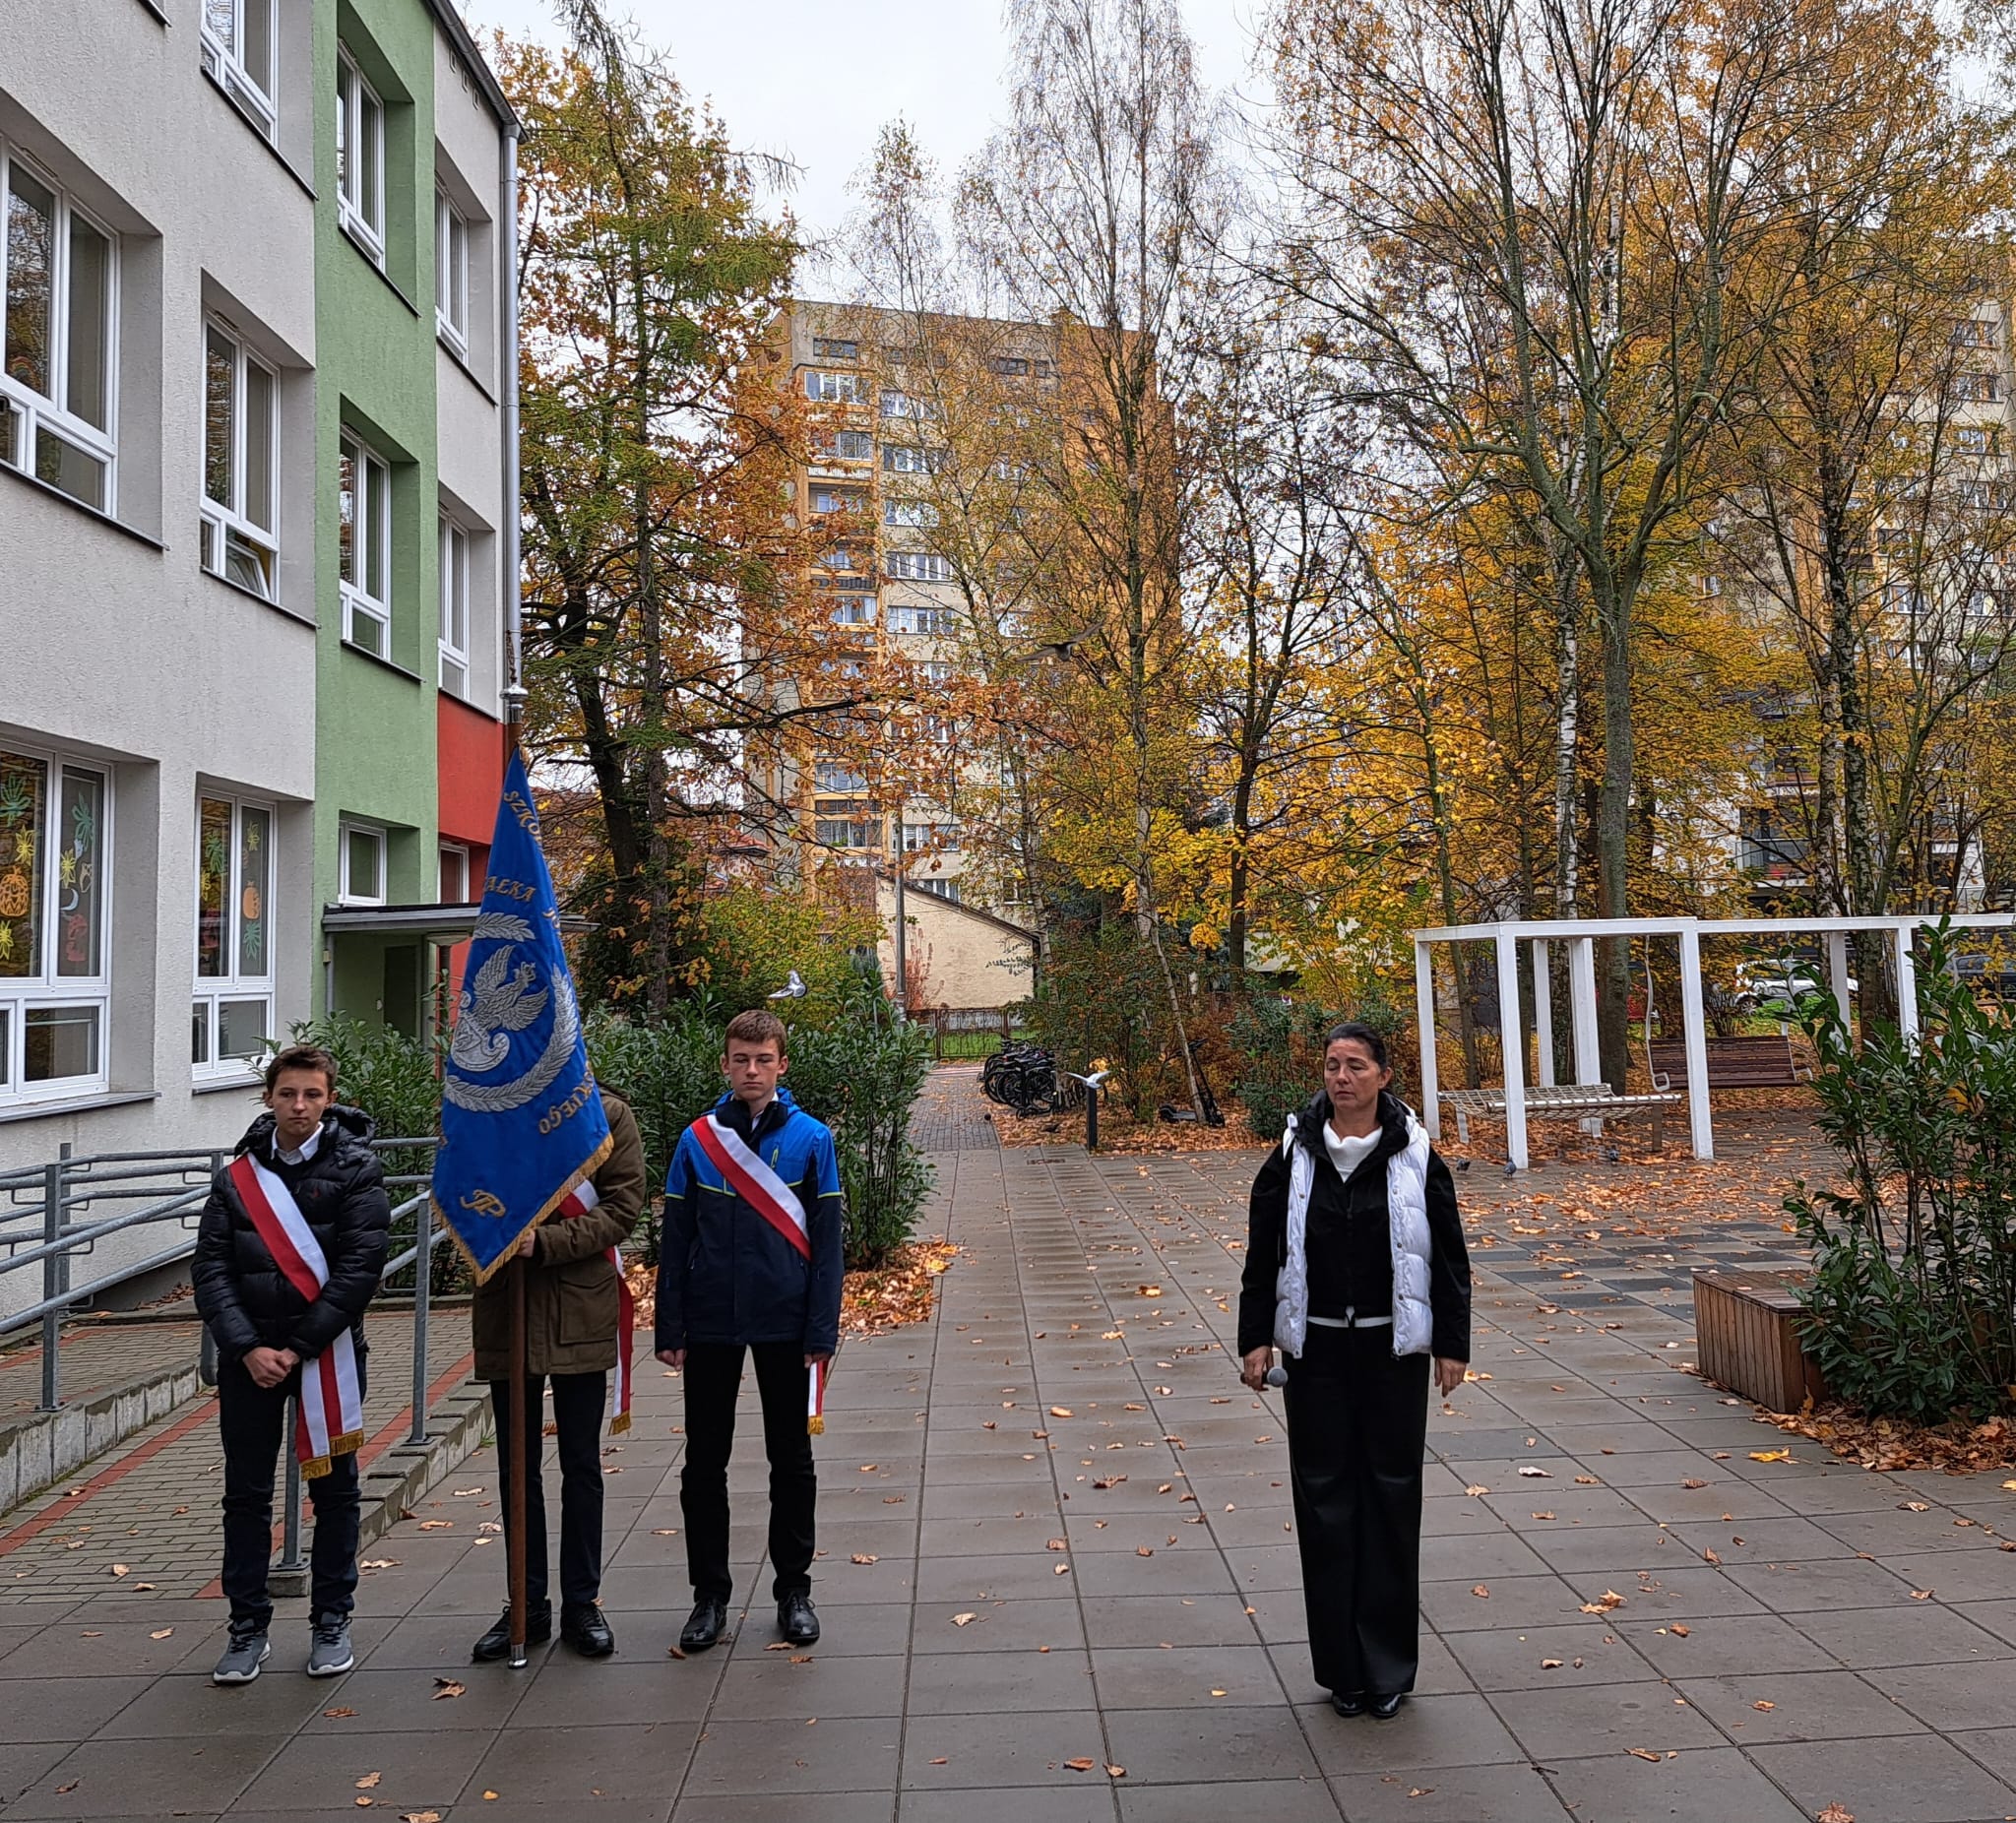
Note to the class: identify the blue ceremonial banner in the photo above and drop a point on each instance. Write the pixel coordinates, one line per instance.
(522, 1121)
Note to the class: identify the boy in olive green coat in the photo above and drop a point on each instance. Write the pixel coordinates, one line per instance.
(573, 1303)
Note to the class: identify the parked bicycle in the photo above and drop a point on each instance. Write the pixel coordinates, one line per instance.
(1025, 1078)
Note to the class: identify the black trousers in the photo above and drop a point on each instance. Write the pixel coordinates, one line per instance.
(1357, 1420)
(251, 1422)
(578, 1421)
(713, 1377)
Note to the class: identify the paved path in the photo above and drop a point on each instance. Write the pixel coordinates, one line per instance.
(94, 1358)
(1057, 1541)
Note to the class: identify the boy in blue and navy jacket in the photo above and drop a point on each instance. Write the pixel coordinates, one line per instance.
(750, 1259)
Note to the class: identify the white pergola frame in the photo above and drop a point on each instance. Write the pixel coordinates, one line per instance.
(1581, 934)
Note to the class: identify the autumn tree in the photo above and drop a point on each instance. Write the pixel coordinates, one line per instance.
(662, 578)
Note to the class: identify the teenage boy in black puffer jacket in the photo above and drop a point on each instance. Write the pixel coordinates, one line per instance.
(323, 1186)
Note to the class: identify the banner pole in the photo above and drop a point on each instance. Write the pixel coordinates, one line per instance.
(517, 1466)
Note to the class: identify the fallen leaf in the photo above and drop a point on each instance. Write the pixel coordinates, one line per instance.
(864, 1556)
(1476, 1488)
(964, 1620)
(369, 1782)
(1143, 1550)
(1642, 1753)
(162, 1634)
(1078, 1766)
(1421, 1791)
(464, 1493)
(1920, 1594)
(1709, 1555)
(1550, 1665)
(1837, 1813)
(1116, 1772)
(118, 1569)
(62, 1789)
(419, 1817)
(1060, 1411)
(1767, 1708)
(1055, 1545)
(379, 1563)
(1587, 1480)
(438, 1525)
(1693, 1480)
(339, 1714)
(1681, 1628)
(1481, 1592)
(445, 1688)
(1535, 1474)
(1543, 1516)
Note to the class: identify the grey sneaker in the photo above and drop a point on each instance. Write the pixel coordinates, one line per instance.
(243, 1656)
(329, 1649)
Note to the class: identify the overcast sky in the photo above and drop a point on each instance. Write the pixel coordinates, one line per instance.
(816, 78)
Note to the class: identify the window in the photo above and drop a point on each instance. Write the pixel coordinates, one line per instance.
(907, 458)
(942, 837)
(241, 433)
(937, 622)
(907, 405)
(837, 776)
(238, 38)
(454, 874)
(451, 274)
(363, 541)
(939, 888)
(838, 500)
(833, 388)
(830, 349)
(56, 394)
(934, 673)
(846, 832)
(919, 566)
(359, 161)
(454, 610)
(909, 513)
(361, 864)
(231, 1013)
(1974, 440)
(846, 446)
(55, 959)
(840, 557)
(1981, 388)
(1975, 333)
(853, 611)
(1013, 365)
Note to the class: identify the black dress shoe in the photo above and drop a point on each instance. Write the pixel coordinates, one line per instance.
(1348, 1702)
(1385, 1708)
(706, 1624)
(585, 1630)
(496, 1644)
(797, 1622)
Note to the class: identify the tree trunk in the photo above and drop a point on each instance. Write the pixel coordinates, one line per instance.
(1613, 839)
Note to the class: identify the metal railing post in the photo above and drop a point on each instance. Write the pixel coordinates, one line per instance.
(55, 1276)
(290, 1559)
(423, 1222)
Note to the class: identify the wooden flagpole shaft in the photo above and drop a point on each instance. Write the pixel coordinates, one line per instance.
(517, 1466)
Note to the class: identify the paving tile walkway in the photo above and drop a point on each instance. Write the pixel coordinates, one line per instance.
(1057, 1541)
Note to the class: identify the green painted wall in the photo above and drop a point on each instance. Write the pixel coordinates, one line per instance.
(374, 330)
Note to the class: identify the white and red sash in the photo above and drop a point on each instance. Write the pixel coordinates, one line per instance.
(578, 1201)
(329, 1416)
(758, 1185)
(778, 1204)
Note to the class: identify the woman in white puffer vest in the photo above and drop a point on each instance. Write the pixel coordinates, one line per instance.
(1357, 1271)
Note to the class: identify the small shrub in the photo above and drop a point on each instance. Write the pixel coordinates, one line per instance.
(1912, 1314)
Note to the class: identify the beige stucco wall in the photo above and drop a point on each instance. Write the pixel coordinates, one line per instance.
(970, 960)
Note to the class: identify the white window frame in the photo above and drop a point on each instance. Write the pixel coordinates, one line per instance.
(225, 60)
(371, 534)
(229, 528)
(451, 273)
(916, 514)
(453, 637)
(834, 389)
(833, 454)
(458, 853)
(911, 459)
(237, 982)
(48, 989)
(918, 566)
(359, 125)
(836, 349)
(923, 619)
(26, 416)
(854, 609)
(348, 891)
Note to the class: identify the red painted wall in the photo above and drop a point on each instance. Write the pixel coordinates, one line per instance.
(472, 762)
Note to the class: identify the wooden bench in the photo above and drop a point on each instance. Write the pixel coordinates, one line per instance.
(1747, 1337)
(1560, 1101)
(1766, 1061)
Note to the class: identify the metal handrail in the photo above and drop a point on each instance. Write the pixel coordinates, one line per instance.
(70, 1183)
